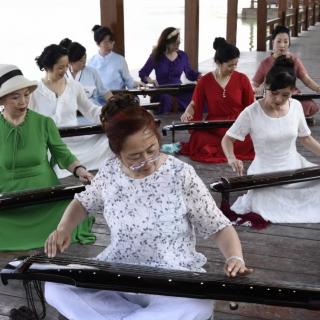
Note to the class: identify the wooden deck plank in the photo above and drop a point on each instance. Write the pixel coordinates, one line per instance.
(256, 311)
(229, 316)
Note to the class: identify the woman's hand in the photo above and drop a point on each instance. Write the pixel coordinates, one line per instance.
(236, 266)
(84, 175)
(236, 165)
(186, 116)
(154, 82)
(139, 84)
(57, 242)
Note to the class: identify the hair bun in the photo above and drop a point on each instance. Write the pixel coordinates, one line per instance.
(95, 27)
(219, 42)
(66, 42)
(284, 62)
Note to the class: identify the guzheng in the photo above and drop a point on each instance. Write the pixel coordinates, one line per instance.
(36, 196)
(266, 179)
(91, 129)
(301, 96)
(80, 130)
(151, 106)
(195, 125)
(162, 89)
(89, 273)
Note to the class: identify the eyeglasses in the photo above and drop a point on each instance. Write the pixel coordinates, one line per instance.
(138, 165)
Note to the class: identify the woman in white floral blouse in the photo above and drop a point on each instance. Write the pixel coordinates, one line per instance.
(154, 205)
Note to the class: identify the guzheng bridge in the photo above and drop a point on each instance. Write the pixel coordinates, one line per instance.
(281, 252)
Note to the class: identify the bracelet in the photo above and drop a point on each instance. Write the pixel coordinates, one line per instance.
(235, 258)
(76, 168)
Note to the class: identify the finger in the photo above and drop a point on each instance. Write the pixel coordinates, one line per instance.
(59, 243)
(62, 246)
(85, 180)
(241, 168)
(89, 177)
(229, 267)
(65, 244)
(52, 245)
(233, 268)
(46, 247)
(47, 243)
(236, 269)
(245, 271)
(225, 269)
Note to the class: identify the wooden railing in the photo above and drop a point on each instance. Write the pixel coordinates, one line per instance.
(298, 17)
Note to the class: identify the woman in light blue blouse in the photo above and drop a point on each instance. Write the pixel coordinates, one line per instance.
(112, 67)
(87, 76)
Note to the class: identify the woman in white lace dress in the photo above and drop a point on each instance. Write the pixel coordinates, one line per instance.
(274, 124)
(154, 205)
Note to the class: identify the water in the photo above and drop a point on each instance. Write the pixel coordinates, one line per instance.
(26, 27)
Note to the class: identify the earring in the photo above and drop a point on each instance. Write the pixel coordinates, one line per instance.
(264, 92)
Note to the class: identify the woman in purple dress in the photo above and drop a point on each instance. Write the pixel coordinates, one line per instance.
(169, 63)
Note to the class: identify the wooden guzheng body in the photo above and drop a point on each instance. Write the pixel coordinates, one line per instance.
(89, 129)
(301, 96)
(80, 130)
(162, 89)
(36, 196)
(266, 179)
(133, 278)
(195, 125)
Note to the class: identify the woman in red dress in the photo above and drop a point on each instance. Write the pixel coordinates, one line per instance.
(226, 93)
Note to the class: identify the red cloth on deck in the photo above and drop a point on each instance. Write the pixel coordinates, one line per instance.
(251, 219)
(205, 146)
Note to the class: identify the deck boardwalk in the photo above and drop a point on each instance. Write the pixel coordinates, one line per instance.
(288, 252)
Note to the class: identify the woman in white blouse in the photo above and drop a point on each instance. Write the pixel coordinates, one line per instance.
(60, 98)
(154, 205)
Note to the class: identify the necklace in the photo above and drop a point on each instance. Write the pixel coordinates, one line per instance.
(222, 81)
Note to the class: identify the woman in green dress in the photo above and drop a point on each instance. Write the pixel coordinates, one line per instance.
(25, 138)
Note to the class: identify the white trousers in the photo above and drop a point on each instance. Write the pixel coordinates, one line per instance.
(83, 304)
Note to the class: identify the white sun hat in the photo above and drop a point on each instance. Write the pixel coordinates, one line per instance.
(12, 79)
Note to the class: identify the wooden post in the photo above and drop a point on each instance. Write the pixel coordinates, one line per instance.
(282, 11)
(232, 17)
(313, 4)
(261, 25)
(112, 16)
(306, 17)
(296, 29)
(191, 31)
